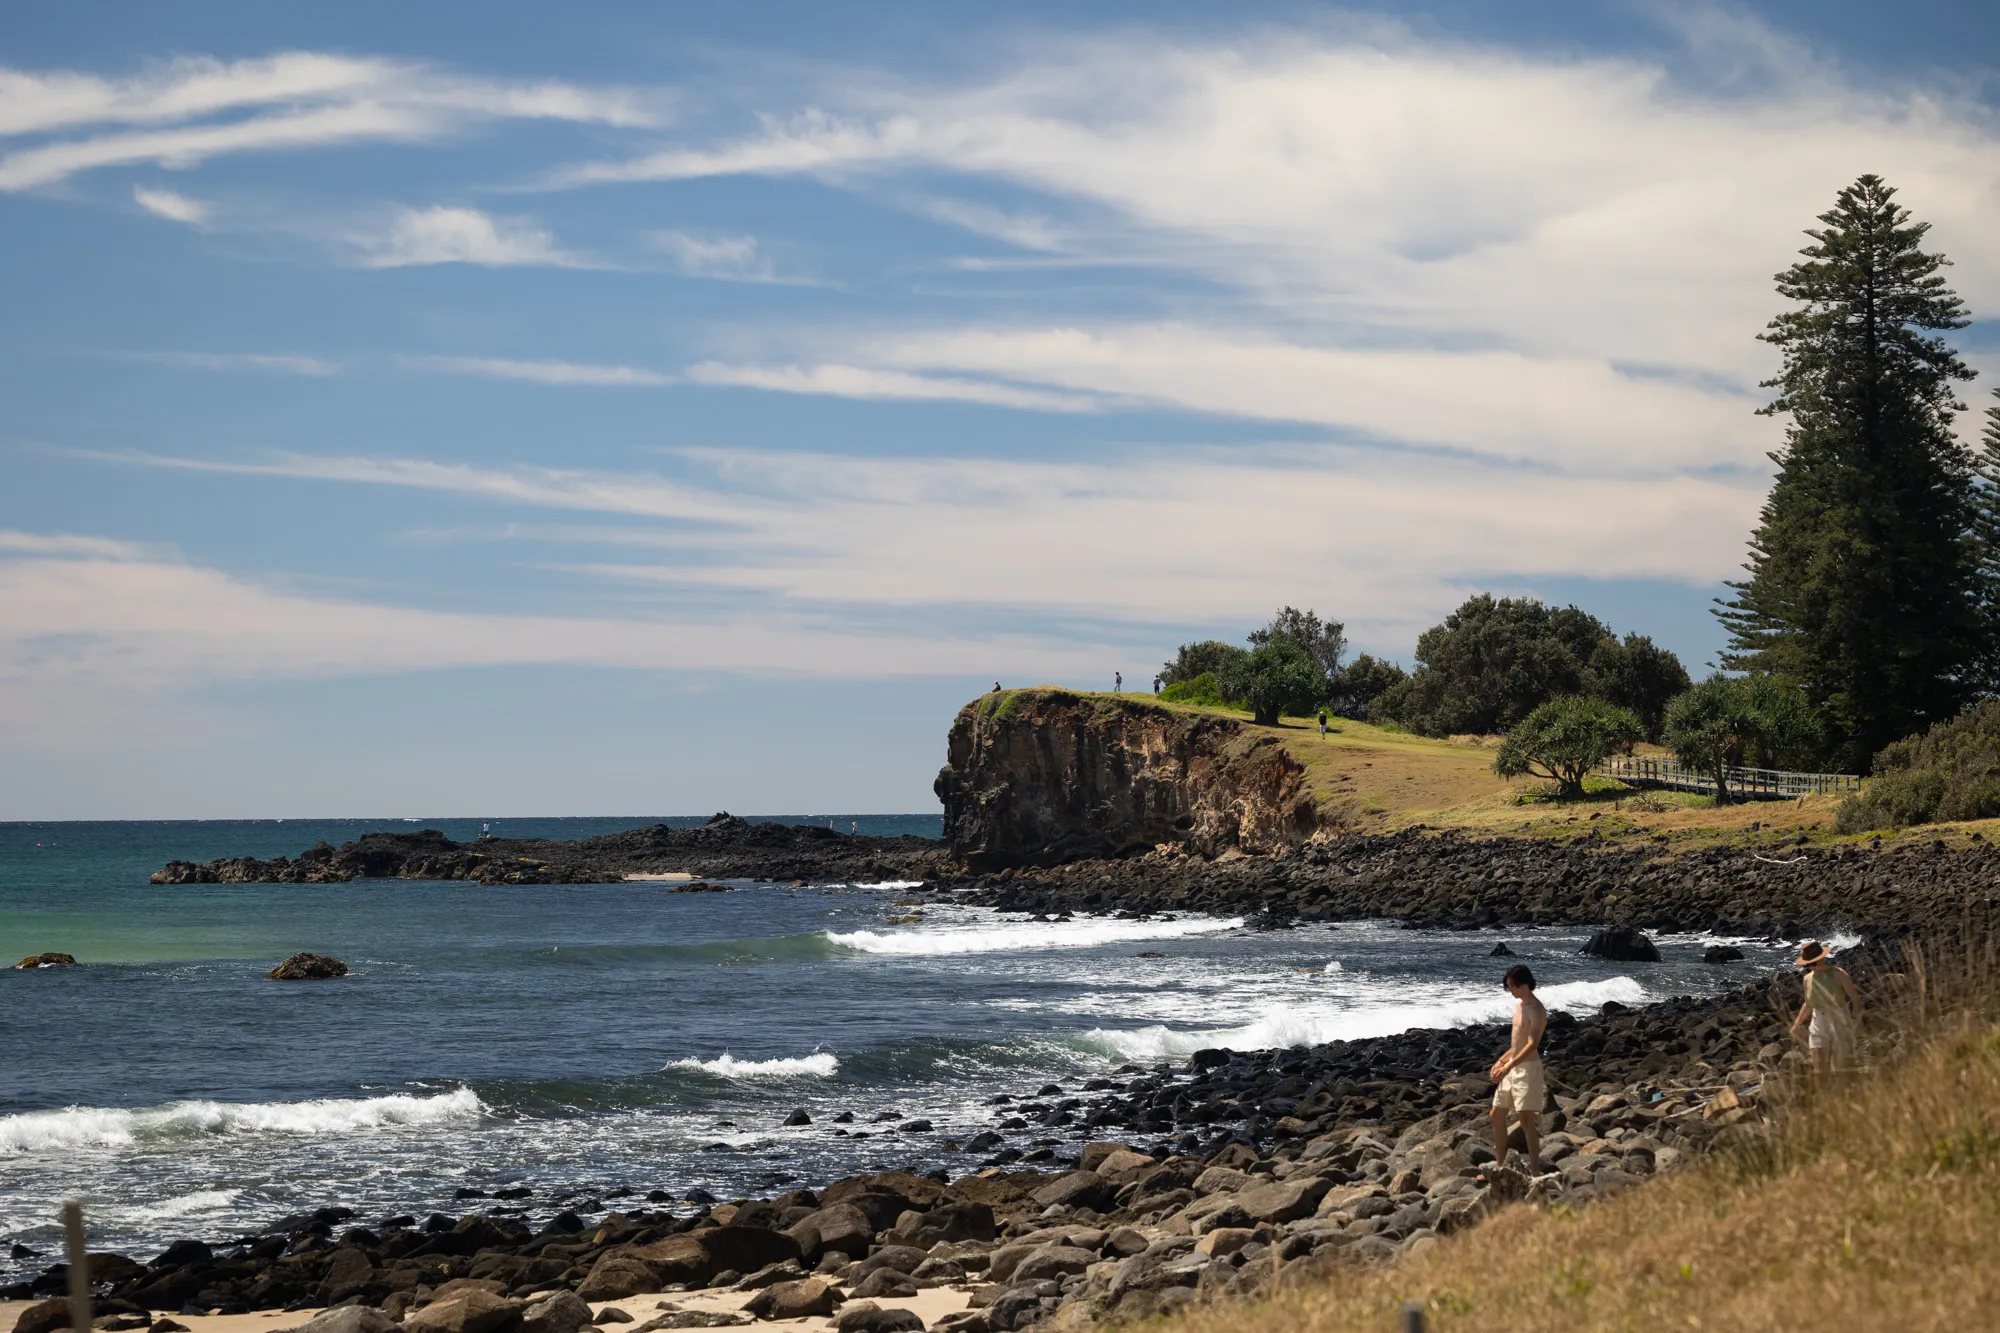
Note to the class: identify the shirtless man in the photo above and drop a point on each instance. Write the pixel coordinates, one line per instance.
(1518, 1074)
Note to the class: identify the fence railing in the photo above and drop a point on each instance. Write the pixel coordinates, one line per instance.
(1754, 783)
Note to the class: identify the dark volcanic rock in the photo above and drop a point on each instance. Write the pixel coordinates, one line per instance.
(47, 960)
(726, 847)
(1722, 953)
(308, 967)
(1044, 776)
(1622, 944)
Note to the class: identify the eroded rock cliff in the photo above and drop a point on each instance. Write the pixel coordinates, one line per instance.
(1044, 776)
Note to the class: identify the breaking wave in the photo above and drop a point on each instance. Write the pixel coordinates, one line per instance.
(105, 1127)
(820, 1064)
(1311, 1024)
(1080, 933)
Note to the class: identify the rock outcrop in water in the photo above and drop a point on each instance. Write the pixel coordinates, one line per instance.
(1045, 776)
(309, 967)
(726, 847)
(46, 960)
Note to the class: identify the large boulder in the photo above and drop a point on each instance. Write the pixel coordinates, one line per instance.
(683, 1259)
(466, 1312)
(34, 960)
(842, 1227)
(44, 1317)
(349, 1319)
(1622, 944)
(308, 967)
(1053, 1261)
(1078, 1189)
(616, 1276)
(1283, 1200)
(868, 1317)
(746, 1249)
(562, 1312)
(807, 1298)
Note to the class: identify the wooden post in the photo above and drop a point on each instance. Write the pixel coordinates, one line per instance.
(79, 1267)
(1413, 1317)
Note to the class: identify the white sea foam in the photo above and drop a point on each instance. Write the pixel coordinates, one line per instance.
(1080, 933)
(1309, 1024)
(1333, 966)
(183, 1205)
(820, 1064)
(105, 1127)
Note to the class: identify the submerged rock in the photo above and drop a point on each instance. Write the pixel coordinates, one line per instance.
(1622, 944)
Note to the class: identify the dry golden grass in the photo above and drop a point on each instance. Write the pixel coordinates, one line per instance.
(1873, 1204)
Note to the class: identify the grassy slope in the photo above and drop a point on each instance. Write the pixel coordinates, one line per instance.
(1872, 1207)
(1375, 780)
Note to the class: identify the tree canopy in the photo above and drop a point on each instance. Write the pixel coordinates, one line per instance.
(1863, 571)
(1495, 660)
(1564, 739)
(1731, 722)
(1277, 677)
(1210, 657)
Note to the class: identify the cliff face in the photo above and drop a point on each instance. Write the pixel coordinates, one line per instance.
(1039, 777)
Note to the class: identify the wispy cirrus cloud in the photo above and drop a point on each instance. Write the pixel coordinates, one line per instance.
(440, 235)
(561, 373)
(182, 112)
(884, 384)
(284, 363)
(170, 205)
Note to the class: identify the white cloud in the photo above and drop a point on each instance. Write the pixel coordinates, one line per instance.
(847, 381)
(1120, 542)
(171, 206)
(290, 100)
(732, 258)
(440, 235)
(273, 362)
(541, 372)
(1387, 188)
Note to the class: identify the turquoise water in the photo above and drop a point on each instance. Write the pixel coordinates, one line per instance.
(584, 1039)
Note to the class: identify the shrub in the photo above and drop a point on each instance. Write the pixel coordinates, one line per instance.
(1564, 739)
(1365, 680)
(1201, 690)
(1951, 771)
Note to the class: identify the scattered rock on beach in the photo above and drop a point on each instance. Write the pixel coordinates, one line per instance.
(47, 960)
(44, 1317)
(308, 967)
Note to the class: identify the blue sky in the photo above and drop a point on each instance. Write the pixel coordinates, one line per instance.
(657, 408)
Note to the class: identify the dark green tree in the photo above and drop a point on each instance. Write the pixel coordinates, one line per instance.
(1361, 682)
(1275, 678)
(1640, 675)
(1492, 662)
(1862, 584)
(1986, 547)
(1564, 739)
(1210, 657)
(1743, 721)
(1325, 640)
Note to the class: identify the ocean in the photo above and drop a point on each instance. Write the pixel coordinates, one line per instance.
(596, 1042)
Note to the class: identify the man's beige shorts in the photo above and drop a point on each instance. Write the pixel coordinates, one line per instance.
(1520, 1089)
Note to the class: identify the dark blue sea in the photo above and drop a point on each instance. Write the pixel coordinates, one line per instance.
(590, 1039)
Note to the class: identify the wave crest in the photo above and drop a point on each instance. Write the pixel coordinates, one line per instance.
(107, 1127)
(1081, 933)
(820, 1064)
(1311, 1024)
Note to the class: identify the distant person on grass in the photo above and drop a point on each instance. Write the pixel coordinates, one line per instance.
(1519, 1087)
(1322, 722)
(1831, 1007)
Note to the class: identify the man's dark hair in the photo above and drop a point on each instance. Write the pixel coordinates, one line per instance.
(1519, 975)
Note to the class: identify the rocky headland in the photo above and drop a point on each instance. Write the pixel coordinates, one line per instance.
(725, 847)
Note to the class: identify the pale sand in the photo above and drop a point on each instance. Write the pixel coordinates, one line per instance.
(930, 1304)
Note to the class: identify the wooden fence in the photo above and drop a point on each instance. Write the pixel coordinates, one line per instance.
(1760, 784)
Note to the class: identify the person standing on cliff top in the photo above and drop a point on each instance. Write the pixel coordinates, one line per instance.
(1832, 1004)
(1520, 1089)
(1118, 682)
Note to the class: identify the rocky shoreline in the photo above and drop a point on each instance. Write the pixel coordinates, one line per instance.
(1151, 1189)
(726, 847)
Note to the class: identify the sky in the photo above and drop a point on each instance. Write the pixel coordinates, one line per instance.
(626, 408)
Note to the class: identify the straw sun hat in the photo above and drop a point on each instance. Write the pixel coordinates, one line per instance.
(1812, 951)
